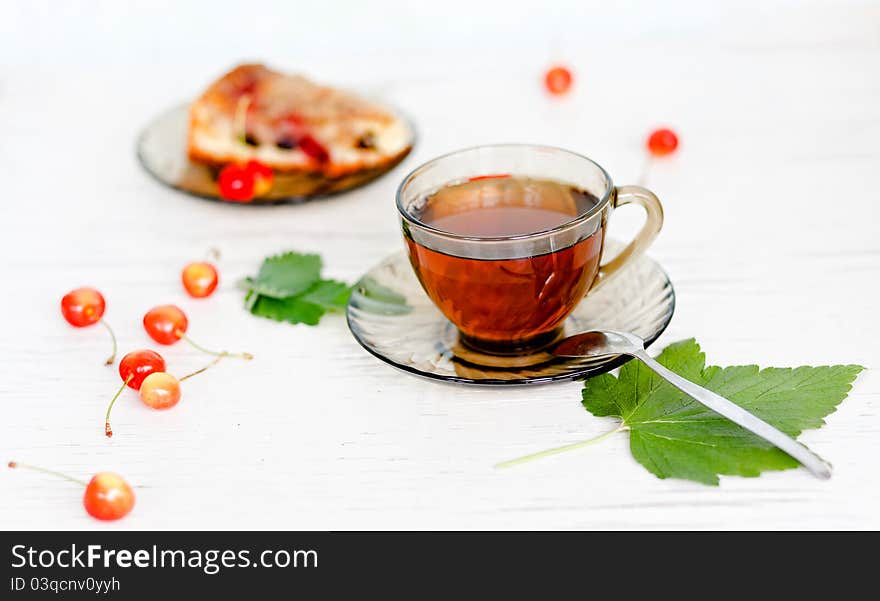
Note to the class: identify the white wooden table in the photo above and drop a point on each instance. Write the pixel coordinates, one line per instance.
(770, 239)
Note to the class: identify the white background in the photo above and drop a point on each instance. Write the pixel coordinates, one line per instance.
(771, 241)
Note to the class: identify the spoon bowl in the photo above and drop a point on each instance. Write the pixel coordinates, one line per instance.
(599, 344)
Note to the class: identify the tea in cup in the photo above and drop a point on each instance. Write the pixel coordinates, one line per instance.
(506, 240)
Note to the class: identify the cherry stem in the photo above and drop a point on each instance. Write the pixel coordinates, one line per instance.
(205, 368)
(107, 429)
(27, 466)
(213, 254)
(562, 449)
(221, 354)
(112, 357)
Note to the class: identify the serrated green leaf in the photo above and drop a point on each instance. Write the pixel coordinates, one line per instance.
(792, 399)
(289, 288)
(606, 395)
(603, 396)
(286, 275)
(292, 310)
(674, 436)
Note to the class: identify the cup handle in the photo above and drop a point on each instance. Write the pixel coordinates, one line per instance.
(653, 222)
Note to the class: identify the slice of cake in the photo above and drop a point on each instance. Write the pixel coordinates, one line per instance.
(292, 125)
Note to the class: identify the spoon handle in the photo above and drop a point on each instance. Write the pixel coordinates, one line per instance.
(717, 403)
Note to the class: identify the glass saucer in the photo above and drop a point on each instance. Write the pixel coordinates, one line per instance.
(391, 316)
(161, 150)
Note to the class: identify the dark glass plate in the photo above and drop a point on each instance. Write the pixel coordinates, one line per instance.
(161, 149)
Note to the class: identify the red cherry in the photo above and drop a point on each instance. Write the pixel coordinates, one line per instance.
(160, 390)
(199, 279)
(262, 176)
(314, 149)
(166, 324)
(558, 80)
(134, 369)
(258, 169)
(662, 142)
(84, 307)
(236, 183)
(107, 495)
(137, 365)
(145, 372)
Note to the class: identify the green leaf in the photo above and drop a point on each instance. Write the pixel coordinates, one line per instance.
(674, 436)
(606, 395)
(289, 288)
(293, 310)
(328, 294)
(286, 275)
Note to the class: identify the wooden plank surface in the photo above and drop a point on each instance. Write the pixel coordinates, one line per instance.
(771, 241)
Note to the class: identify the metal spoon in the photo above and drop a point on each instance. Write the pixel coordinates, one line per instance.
(597, 344)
